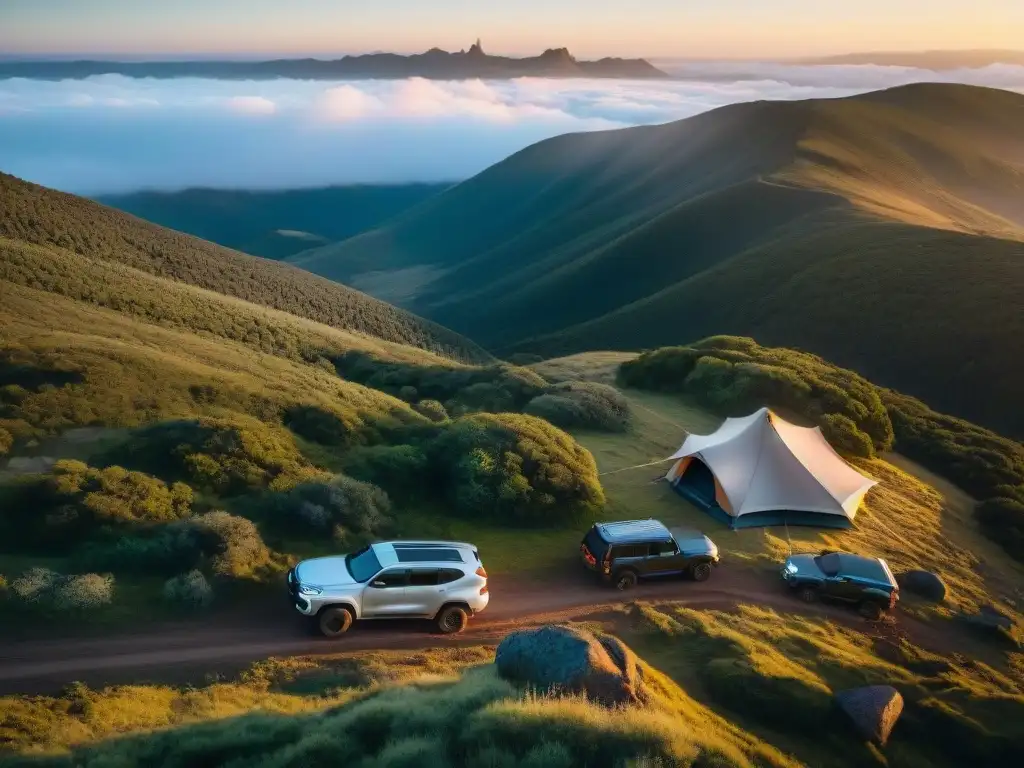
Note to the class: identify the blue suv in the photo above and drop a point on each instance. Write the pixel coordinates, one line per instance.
(865, 582)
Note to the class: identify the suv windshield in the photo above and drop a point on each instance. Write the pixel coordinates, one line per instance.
(828, 564)
(362, 565)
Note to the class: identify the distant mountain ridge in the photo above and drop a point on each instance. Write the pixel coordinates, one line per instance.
(883, 231)
(934, 60)
(434, 64)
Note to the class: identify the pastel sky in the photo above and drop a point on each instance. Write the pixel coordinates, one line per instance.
(653, 28)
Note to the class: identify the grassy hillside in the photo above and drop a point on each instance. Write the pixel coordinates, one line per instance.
(274, 224)
(450, 707)
(897, 212)
(34, 215)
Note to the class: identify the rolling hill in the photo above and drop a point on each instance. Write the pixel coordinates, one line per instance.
(274, 224)
(31, 215)
(884, 231)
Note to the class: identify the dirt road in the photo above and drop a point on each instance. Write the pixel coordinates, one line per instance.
(187, 652)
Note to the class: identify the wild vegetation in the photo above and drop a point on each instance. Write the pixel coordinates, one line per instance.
(34, 215)
(837, 226)
(733, 376)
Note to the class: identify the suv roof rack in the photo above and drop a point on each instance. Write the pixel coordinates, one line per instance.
(634, 530)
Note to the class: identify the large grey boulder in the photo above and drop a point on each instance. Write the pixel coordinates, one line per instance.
(873, 710)
(562, 658)
(924, 583)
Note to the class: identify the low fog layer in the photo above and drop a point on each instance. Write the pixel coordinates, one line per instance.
(112, 134)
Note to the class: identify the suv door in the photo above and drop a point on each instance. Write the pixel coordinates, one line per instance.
(665, 559)
(384, 596)
(422, 593)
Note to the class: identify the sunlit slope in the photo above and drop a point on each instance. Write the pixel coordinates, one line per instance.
(35, 215)
(855, 228)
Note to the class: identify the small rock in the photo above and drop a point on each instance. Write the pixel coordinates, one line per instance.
(873, 710)
(924, 583)
(572, 660)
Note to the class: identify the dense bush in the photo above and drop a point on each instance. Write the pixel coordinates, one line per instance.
(169, 549)
(461, 389)
(76, 502)
(514, 469)
(735, 376)
(432, 409)
(353, 510)
(323, 426)
(401, 468)
(582, 405)
(45, 589)
(190, 590)
(226, 456)
(233, 543)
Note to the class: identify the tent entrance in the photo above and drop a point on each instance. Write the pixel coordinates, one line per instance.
(698, 483)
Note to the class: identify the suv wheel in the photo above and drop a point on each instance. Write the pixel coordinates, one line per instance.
(452, 620)
(335, 622)
(626, 580)
(701, 572)
(808, 594)
(870, 610)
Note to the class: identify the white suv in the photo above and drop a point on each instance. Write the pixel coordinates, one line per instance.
(439, 580)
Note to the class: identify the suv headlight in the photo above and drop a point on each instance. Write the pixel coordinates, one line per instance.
(305, 589)
(790, 568)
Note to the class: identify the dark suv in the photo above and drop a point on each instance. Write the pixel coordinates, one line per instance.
(623, 553)
(865, 582)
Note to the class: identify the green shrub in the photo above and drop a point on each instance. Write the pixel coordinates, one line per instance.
(170, 549)
(322, 426)
(75, 502)
(735, 376)
(432, 409)
(354, 510)
(401, 469)
(844, 436)
(45, 589)
(190, 590)
(515, 469)
(462, 388)
(221, 455)
(6, 442)
(233, 543)
(582, 405)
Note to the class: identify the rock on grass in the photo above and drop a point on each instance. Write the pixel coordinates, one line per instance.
(567, 659)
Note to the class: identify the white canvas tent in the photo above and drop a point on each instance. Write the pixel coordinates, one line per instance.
(762, 470)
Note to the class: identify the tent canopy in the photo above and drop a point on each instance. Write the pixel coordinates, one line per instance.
(762, 463)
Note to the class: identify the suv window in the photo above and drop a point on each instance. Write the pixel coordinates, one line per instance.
(663, 548)
(448, 575)
(393, 578)
(423, 577)
(362, 565)
(629, 550)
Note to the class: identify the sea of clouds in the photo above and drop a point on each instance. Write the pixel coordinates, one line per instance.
(113, 134)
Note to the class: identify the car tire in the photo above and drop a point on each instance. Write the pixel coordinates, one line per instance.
(626, 580)
(701, 572)
(336, 621)
(870, 610)
(452, 620)
(807, 594)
